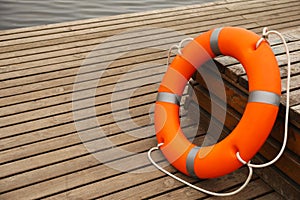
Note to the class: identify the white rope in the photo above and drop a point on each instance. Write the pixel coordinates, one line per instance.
(181, 44)
(266, 33)
(178, 47)
(169, 53)
(264, 37)
(196, 187)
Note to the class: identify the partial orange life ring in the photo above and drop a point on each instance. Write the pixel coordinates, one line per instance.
(259, 115)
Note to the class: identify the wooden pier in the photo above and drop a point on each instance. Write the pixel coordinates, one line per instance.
(44, 151)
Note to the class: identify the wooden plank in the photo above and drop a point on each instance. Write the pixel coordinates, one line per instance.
(296, 109)
(293, 135)
(179, 194)
(95, 194)
(101, 173)
(137, 147)
(235, 70)
(72, 140)
(260, 15)
(62, 108)
(235, 98)
(147, 99)
(163, 185)
(39, 56)
(74, 151)
(160, 14)
(107, 18)
(34, 95)
(107, 21)
(134, 24)
(68, 138)
(75, 55)
(131, 15)
(72, 39)
(51, 120)
(80, 54)
(295, 113)
(84, 161)
(203, 99)
(120, 19)
(60, 130)
(81, 173)
(65, 85)
(243, 80)
(271, 149)
(167, 187)
(57, 47)
(254, 189)
(271, 196)
(47, 133)
(50, 49)
(100, 38)
(281, 183)
(38, 135)
(65, 99)
(140, 56)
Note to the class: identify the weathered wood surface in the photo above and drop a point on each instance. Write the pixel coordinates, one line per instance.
(41, 153)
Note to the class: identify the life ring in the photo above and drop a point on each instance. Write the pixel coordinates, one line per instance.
(259, 115)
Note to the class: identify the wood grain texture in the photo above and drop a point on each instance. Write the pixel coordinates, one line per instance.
(43, 152)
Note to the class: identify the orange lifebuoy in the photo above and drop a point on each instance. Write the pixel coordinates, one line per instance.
(259, 115)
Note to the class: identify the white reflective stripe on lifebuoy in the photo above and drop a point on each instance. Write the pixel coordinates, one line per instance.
(214, 41)
(260, 96)
(190, 161)
(168, 98)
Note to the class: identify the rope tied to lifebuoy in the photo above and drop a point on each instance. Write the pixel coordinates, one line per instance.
(250, 166)
(265, 35)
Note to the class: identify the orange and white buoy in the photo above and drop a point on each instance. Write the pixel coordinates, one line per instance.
(259, 116)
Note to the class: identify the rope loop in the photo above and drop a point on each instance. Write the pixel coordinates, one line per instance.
(181, 44)
(265, 36)
(178, 47)
(169, 53)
